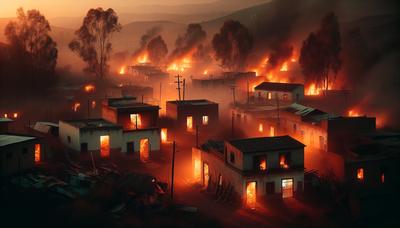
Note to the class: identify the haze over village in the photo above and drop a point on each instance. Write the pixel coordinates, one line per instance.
(200, 113)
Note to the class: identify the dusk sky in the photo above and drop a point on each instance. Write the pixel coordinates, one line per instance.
(72, 8)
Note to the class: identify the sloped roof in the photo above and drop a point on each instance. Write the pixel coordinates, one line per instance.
(265, 144)
(12, 139)
(274, 86)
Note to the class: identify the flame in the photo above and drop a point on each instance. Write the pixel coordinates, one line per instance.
(181, 65)
(76, 106)
(164, 135)
(144, 150)
(271, 131)
(251, 194)
(89, 88)
(260, 127)
(37, 152)
(263, 164)
(360, 174)
(312, 90)
(15, 115)
(5, 115)
(104, 146)
(136, 120)
(283, 162)
(144, 58)
(205, 72)
(284, 67)
(197, 169)
(353, 113)
(122, 71)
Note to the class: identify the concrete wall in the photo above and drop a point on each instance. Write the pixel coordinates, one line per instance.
(135, 136)
(66, 130)
(295, 96)
(18, 160)
(92, 138)
(296, 159)
(180, 113)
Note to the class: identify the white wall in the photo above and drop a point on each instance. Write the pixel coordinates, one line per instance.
(66, 130)
(92, 138)
(152, 134)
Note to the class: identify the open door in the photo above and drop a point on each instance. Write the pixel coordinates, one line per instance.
(251, 191)
(206, 173)
(105, 146)
(144, 150)
(37, 153)
(189, 123)
(287, 188)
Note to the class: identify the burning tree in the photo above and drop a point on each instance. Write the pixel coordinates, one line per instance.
(157, 49)
(93, 40)
(193, 37)
(320, 52)
(30, 38)
(232, 45)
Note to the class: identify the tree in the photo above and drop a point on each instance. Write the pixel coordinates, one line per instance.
(157, 49)
(93, 40)
(29, 37)
(232, 45)
(320, 52)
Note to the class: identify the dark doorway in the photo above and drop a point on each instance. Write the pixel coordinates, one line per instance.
(84, 147)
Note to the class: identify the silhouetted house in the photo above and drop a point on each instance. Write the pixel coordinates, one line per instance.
(189, 113)
(19, 153)
(5, 124)
(227, 79)
(139, 122)
(251, 167)
(272, 93)
(98, 136)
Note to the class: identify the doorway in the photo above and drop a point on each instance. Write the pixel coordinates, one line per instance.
(206, 173)
(251, 191)
(287, 188)
(105, 146)
(144, 150)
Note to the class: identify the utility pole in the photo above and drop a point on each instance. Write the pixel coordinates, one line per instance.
(160, 91)
(184, 88)
(233, 94)
(178, 82)
(173, 169)
(233, 124)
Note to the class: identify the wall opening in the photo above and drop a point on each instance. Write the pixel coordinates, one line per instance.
(360, 174)
(205, 120)
(164, 134)
(189, 123)
(287, 188)
(136, 121)
(271, 131)
(260, 127)
(144, 150)
(206, 175)
(37, 152)
(105, 146)
(251, 191)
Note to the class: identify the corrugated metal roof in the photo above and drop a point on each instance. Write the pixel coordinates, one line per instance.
(12, 139)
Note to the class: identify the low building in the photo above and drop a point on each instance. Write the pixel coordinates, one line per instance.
(91, 135)
(148, 73)
(191, 113)
(252, 167)
(139, 123)
(272, 93)
(19, 153)
(5, 124)
(227, 79)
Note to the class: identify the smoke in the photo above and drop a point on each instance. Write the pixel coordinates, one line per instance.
(193, 37)
(145, 39)
(279, 54)
(157, 49)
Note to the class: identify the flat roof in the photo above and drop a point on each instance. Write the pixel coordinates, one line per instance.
(7, 139)
(275, 86)
(128, 102)
(6, 120)
(92, 124)
(192, 102)
(308, 113)
(264, 144)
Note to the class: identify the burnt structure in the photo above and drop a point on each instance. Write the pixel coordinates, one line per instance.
(271, 93)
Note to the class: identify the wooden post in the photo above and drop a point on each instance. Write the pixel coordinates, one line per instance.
(178, 82)
(184, 89)
(173, 169)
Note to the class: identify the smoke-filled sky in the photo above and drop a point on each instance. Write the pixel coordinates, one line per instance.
(72, 8)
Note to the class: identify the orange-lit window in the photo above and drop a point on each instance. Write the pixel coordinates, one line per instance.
(37, 152)
(15, 115)
(283, 163)
(164, 132)
(383, 178)
(189, 123)
(272, 131)
(260, 127)
(206, 173)
(136, 120)
(205, 120)
(105, 146)
(287, 188)
(220, 180)
(5, 115)
(251, 191)
(263, 164)
(269, 95)
(197, 170)
(360, 174)
(144, 150)
(93, 104)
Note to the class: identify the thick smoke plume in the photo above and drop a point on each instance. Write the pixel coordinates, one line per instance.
(193, 37)
(157, 50)
(145, 39)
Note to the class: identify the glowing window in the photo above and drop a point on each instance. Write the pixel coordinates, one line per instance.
(260, 127)
(283, 161)
(263, 164)
(164, 132)
(144, 150)
(251, 191)
(37, 152)
(287, 188)
(197, 169)
(269, 95)
(360, 174)
(206, 173)
(205, 120)
(105, 146)
(136, 120)
(189, 123)
(383, 178)
(272, 131)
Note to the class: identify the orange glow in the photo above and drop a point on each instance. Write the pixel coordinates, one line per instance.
(15, 115)
(144, 150)
(312, 90)
(251, 189)
(37, 152)
(260, 127)
(284, 67)
(5, 115)
(76, 106)
(122, 71)
(206, 175)
(105, 146)
(142, 59)
(181, 65)
(89, 88)
(353, 113)
(283, 162)
(189, 123)
(382, 178)
(271, 131)
(205, 72)
(263, 164)
(136, 120)
(197, 169)
(93, 104)
(205, 120)
(164, 132)
(360, 174)
(287, 188)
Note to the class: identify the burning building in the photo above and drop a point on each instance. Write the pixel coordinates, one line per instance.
(253, 167)
(98, 136)
(19, 153)
(5, 124)
(191, 113)
(139, 123)
(147, 73)
(272, 93)
(227, 79)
